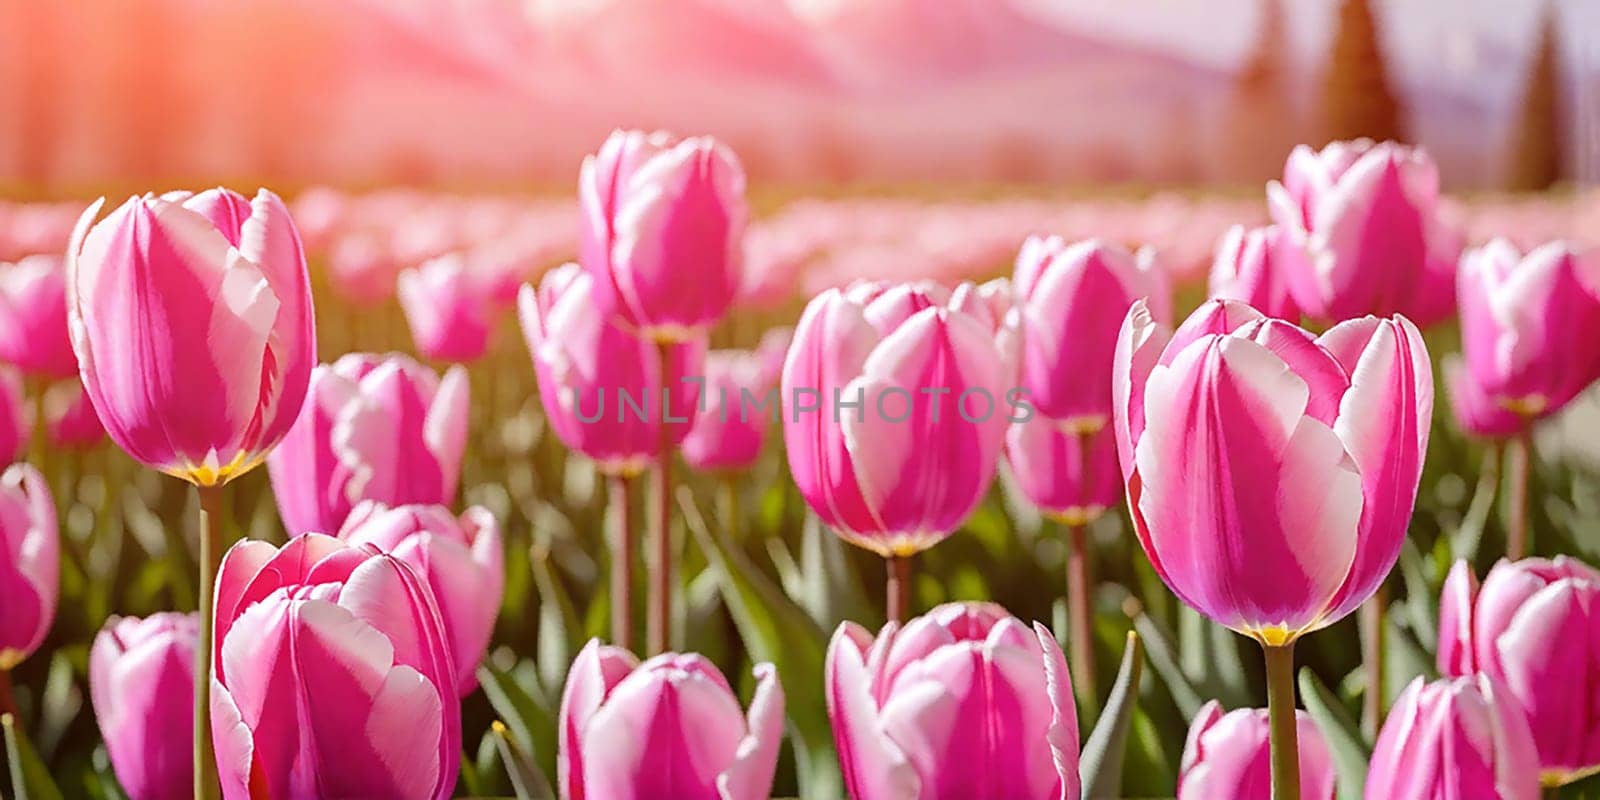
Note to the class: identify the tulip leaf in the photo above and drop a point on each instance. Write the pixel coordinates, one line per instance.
(30, 780)
(1341, 732)
(1164, 658)
(834, 592)
(1422, 611)
(1100, 765)
(529, 718)
(1210, 657)
(527, 779)
(1469, 533)
(559, 629)
(777, 630)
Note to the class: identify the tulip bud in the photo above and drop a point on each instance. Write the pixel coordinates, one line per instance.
(33, 317)
(670, 727)
(1527, 325)
(1072, 477)
(191, 320)
(461, 559)
(449, 309)
(1362, 234)
(1247, 269)
(30, 562)
(1072, 300)
(332, 675)
(603, 388)
(659, 215)
(1227, 757)
(1451, 739)
(141, 678)
(964, 701)
(71, 418)
(381, 428)
(1477, 413)
(739, 402)
(1527, 628)
(895, 408)
(1271, 474)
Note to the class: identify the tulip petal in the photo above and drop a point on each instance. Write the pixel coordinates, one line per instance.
(749, 777)
(593, 674)
(662, 732)
(874, 766)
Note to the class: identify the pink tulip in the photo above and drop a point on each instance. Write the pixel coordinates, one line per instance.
(895, 408)
(670, 727)
(1226, 757)
(141, 678)
(333, 675)
(964, 701)
(1477, 413)
(1533, 626)
(33, 317)
(1072, 477)
(362, 270)
(449, 308)
(1072, 299)
(601, 387)
(660, 215)
(375, 427)
(30, 560)
(1271, 474)
(1451, 739)
(1248, 268)
(71, 418)
(16, 424)
(462, 560)
(1528, 322)
(191, 319)
(728, 428)
(1362, 234)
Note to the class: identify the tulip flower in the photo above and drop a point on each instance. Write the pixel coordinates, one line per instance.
(964, 701)
(670, 727)
(1476, 412)
(1072, 478)
(895, 408)
(333, 675)
(1531, 627)
(731, 423)
(1450, 739)
(1362, 234)
(70, 417)
(1072, 299)
(191, 319)
(1248, 268)
(16, 425)
(658, 215)
(1226, 758)
(141, 679)
(1271, 474)
(33, 317)
(449, 308)
(30, 555)
(462, 560)
(620, 400)
(1527, 323)
(376, 427)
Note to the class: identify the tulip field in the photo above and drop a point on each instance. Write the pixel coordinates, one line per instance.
(692, 489)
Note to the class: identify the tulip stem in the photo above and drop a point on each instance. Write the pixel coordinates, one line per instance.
(728, 506)
(897, 588)
(660, 621)
(1372, 659)
(1517, 457)
(1080, 626)
(8, 701)
(621, 563)
(205, 762)
(1281, 715)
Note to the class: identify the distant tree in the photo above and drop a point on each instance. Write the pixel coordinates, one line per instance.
(1539, 147)
(1357, 99)
(1263, 125)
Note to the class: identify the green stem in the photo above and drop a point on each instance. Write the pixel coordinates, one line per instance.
(728, 506)
(1080, 622)
(1517, 457)
(1372, 658)
(8, 701)
(660, 619)
(897, 588)
(205, 762)
(621, 563)
(1280, 712)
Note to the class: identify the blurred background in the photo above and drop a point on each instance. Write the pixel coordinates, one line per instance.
(512, 93)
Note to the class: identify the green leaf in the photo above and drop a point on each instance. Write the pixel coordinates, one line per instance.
(1421, 611)
(1470, 533)
(559, 629)
(526, 778)
(29, 778)
(1210, 657)
(1164, 658)
(1341, 732)
(528, 715)
(777, 630)
(1100, 765)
